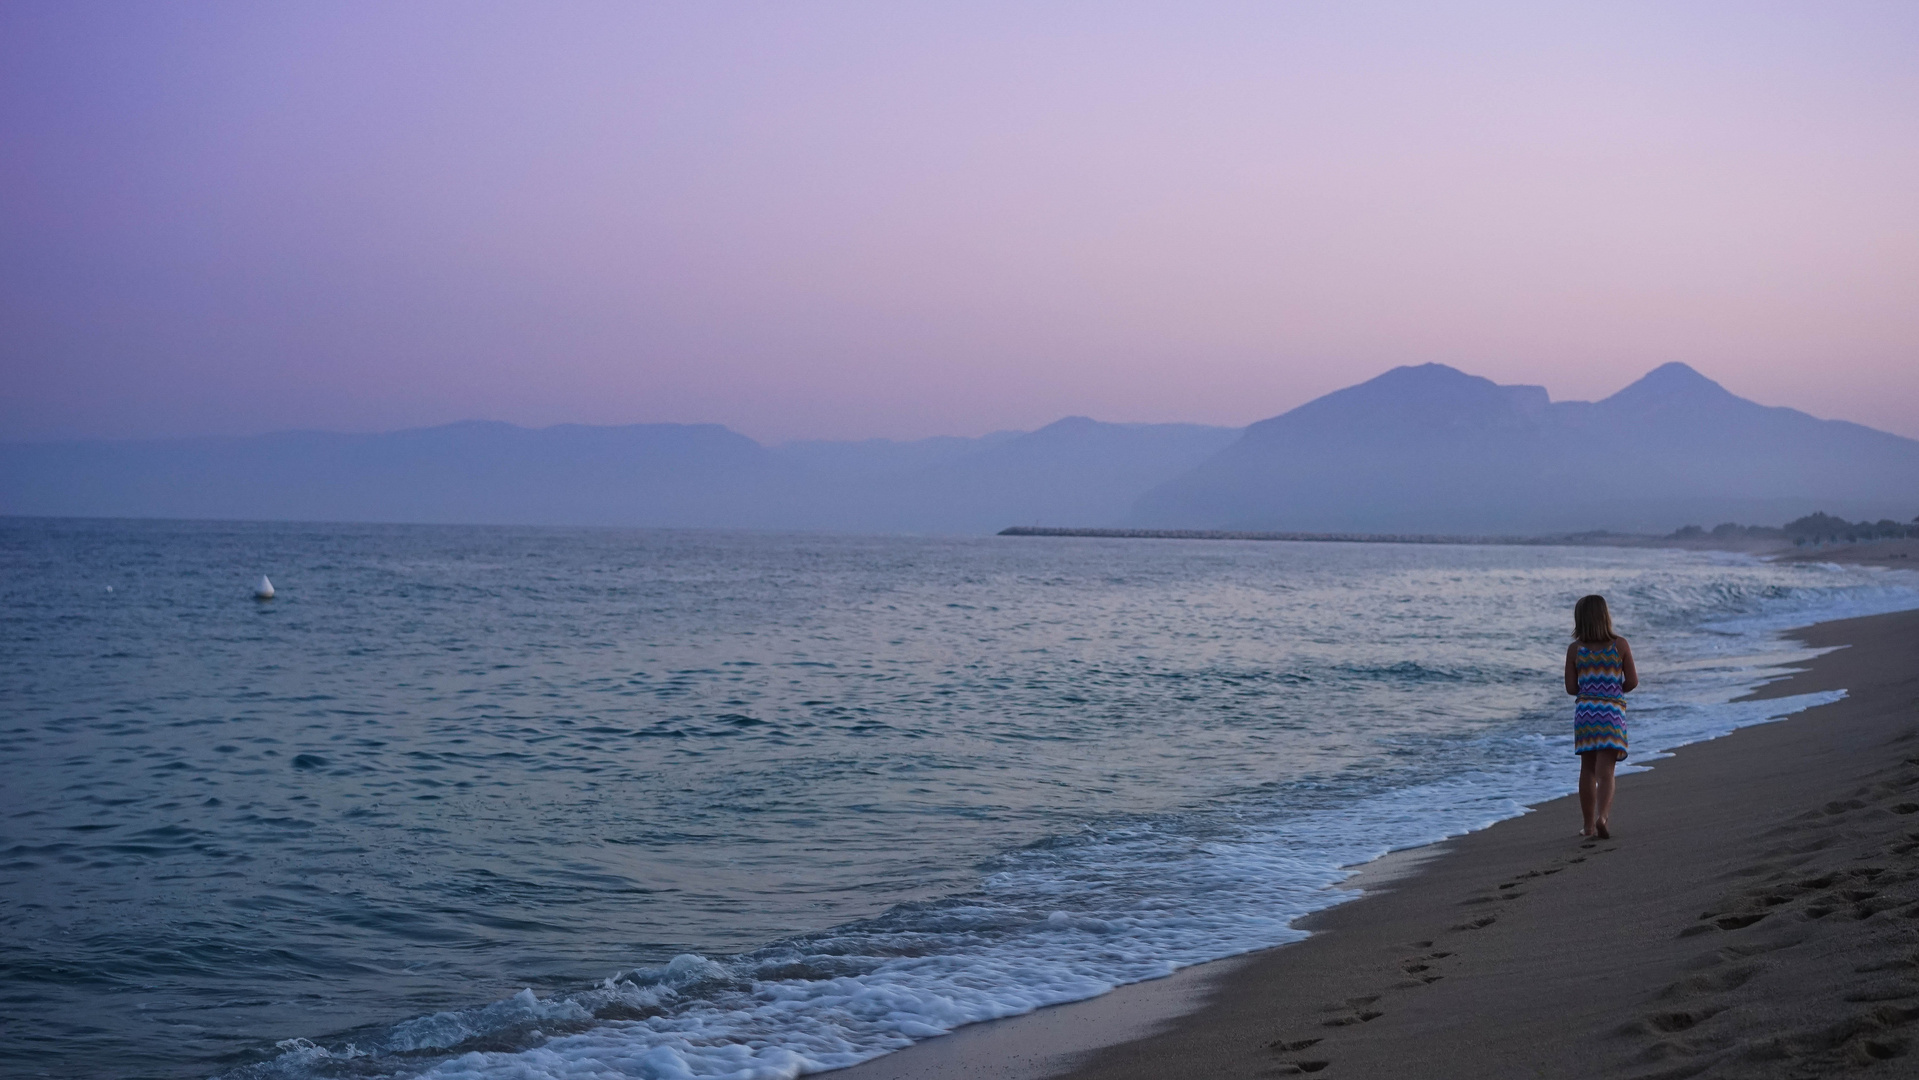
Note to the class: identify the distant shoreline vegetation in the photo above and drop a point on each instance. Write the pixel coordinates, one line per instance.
(1819, 528)
(1245, 534)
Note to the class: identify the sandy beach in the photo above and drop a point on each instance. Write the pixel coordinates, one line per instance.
(1895, 554)
(1755, 915)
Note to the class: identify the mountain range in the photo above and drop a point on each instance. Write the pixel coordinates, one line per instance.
(1432, 449)
(1418, 449)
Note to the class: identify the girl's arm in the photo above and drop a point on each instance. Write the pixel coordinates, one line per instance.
(1572, 671)
(1625, 661)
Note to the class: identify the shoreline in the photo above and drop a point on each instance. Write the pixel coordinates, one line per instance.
(1490, 960)
(1047, 1041)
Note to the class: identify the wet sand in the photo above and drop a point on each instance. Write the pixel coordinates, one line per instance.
(1901, 554)
(1755, 915)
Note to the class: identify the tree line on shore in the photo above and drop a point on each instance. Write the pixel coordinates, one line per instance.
(1819, 528)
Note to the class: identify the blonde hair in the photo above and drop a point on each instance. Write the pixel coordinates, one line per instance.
(1591, 621)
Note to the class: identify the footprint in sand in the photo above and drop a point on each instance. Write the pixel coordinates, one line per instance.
(1838, 908)
(1670, 1022)
(1361, 1011)
(1294, 1068)
(1421, 971)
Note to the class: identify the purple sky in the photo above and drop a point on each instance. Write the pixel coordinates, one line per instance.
(907, 219)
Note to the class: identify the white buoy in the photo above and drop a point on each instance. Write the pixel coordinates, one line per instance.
(264, 590)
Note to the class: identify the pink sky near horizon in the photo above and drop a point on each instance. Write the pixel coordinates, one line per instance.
(901, 220)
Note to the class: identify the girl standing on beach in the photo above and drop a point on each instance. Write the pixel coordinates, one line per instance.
(1599, 669)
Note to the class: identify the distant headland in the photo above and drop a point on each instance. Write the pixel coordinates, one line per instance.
(1241, 534)
(1814, 537)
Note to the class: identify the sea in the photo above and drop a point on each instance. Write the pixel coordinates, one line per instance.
(510, 802)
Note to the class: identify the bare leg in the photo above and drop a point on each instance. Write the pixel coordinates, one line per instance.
(1589, 791)
(1604, 761)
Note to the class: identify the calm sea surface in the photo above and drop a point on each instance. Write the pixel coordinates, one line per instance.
(477, 802)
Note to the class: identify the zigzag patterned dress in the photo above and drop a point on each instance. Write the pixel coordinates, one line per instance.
(1599, 714)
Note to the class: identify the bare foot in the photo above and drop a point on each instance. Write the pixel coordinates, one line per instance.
(1587, 832)
(1604, 833)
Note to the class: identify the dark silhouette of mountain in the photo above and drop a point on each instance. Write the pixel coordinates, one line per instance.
(1074, 469)
(684, 475)
(1423, 449)
(1430, 449)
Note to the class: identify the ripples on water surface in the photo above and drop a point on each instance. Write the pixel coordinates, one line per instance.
(731, 802)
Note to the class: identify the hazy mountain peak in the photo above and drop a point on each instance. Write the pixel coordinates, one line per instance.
(1072, 423)
(1426, 385)
(1423, 376)
(1672, 384)
(1407, 401)
(1431, 384)
(1427, 370)
(1674, 373)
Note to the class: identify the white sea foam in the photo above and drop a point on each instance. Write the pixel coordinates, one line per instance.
(1237, 895)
